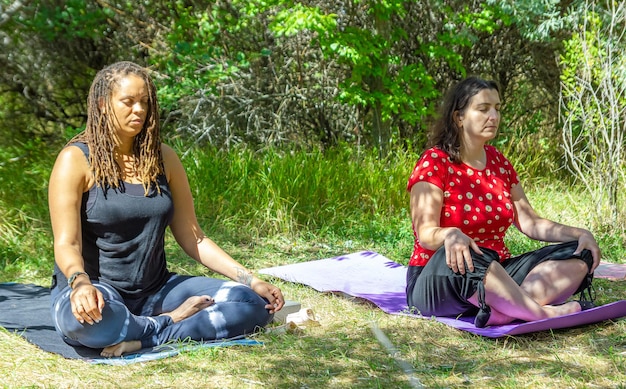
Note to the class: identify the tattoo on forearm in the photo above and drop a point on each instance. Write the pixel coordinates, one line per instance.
(244, 276)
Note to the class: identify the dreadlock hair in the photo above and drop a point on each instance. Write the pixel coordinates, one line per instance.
(100, 133)
(445, 134)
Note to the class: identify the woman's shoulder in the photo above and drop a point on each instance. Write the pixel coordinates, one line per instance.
(171, 161)
(432, 167)
(80, 145)
(433, 159)
(75, 152)
(72, 166)
(165, 148)
(435, 154)
(496, 155)
(169, 154)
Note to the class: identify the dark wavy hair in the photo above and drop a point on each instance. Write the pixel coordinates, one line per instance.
(99, 134)
(445, 134)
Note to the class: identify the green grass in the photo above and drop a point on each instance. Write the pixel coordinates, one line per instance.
(334, 192)
(273, 208)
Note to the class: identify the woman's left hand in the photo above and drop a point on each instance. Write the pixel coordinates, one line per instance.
(588, 242)
(269, 292)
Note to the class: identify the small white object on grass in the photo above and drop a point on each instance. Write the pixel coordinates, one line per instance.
(289, 307)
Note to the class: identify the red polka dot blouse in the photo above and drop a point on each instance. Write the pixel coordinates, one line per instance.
(476, 201)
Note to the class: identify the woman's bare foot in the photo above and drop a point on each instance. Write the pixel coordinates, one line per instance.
(190, 307)
(118, 349)
(499, 318)
(562, 309)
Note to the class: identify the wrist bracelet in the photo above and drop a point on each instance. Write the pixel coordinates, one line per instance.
(72, 278)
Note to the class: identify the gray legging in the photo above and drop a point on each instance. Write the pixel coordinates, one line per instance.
(237, 311)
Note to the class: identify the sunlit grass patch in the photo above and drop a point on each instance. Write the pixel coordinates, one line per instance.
(274, 208)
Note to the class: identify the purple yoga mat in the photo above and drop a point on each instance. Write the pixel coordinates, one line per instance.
(373, 277)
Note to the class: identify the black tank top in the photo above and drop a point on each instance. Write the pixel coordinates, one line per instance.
(123, 234)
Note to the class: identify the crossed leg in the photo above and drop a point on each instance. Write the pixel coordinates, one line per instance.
(549, 283)
(188, 308)
(233, 310)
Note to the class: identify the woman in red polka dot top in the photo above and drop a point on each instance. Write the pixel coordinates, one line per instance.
(464, 196)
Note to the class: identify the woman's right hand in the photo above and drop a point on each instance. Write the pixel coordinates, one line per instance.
(457, 246)
(87, 302)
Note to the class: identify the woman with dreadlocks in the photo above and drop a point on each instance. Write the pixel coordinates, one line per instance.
(113, 191)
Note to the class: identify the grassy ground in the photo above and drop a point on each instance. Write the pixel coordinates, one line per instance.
(343, 351)
(274, 209)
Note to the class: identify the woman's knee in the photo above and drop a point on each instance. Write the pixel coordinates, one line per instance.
(565, 251)
(110, 330)
(236, 292)
(581, 266)
(552, 269)
(494, 270)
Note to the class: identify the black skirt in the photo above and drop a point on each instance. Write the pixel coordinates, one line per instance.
(435, 290)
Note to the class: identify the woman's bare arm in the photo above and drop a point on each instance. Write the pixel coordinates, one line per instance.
(197, 245)
(71, 177)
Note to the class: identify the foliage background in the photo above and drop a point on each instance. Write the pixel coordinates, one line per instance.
(305, 117)
(298, 123)
(281, 72)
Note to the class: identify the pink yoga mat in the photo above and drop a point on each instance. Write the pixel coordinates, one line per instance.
(612, 271)
(373, 277)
